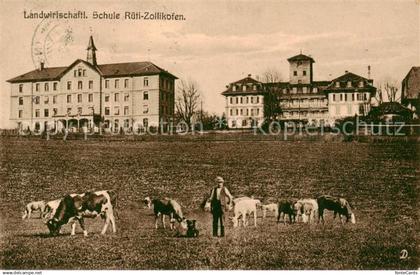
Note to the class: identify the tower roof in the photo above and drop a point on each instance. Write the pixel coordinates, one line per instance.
(91, 45)
(301, 57)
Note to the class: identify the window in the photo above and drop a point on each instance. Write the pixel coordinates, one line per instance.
(254, 87)
(116, 97)
(295, 73)
(20, 100)
(125, 83)
(231, 112)
(126, 97)
(341, 97)
(365, 96)
(37, 113)
(20, 114)
(46, 87)
(107, 84)
(55, 86)
(68, 98)
(37, 87)
(90, 84)
(126, 123)
(352, 97)
(107, 98)
(145, 95)
(258, 111)
(233, 123)
(75, 73)
(234, 88)
(116, 110)
(231, 100)
(258, 99)
(125, 110)
(315, 90)
(294, 90)
(145, 82)
(244, 88)
(55, 111)
(145, 109)
(69, 111)
(247, 112)
(348, 84)
(80, 85)
(145, 123)
(68, 85)
(305, 90)
(37, 100)
(247, 100)
(337, 84)
(359, 96)
(244, 123)
(241, 112)
(252, 112)
(79, 98)
(79, 110)
(242, 101)
(117, 83)
(107, 111)
(237, 111)
(346, 97)
(20, 88)
(46, 112)
(304, 73)
(361, 84)
(236, 100)
(90, 97)
(84, 72)
(46, 100)
(334, 97)
(252, 100)
(79, 72)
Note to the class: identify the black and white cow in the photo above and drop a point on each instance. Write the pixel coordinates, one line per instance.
(76, 207)
(340, 206)
(166, 206)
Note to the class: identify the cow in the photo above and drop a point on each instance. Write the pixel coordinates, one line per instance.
(50, 208)
(340, 206)
(272, 207)
(76, 207)
(286, 207)
(34, 206)
(168, 207)
(244, 207)
(307, 209)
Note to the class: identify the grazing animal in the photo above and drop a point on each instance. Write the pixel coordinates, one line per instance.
(244, 207)
(272, 207)
(307, 208)
(34, 206)
(286, 207)
(340, 206)
(76, 207)
(162, 207)
(50, 208)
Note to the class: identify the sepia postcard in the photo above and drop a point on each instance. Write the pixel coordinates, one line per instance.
(209, 135)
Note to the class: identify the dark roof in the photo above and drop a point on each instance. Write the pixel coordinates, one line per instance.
(245, 81)
(354, 79)
(106, 70)
(91, 45)
(301, 57)
(387, 108)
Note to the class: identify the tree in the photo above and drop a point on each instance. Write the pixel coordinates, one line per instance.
(187, 101)
(272, 109)
(387, 91)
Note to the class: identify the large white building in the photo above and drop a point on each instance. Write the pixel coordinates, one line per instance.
(300, 100)
(133, 95)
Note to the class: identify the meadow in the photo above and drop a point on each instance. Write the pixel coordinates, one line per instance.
(379, 180)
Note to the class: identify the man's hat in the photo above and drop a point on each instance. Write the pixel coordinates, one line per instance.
(219, 179)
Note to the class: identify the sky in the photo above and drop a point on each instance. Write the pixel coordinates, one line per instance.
(220, 41)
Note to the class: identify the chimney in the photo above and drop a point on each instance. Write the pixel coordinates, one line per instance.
(42, 65)
(249, 75)
(346, 72)
(368, 71)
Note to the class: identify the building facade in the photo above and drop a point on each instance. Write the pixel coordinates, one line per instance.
(123, 96)
(349, 95)
(301, 99)
(410, 90)
(244, 103)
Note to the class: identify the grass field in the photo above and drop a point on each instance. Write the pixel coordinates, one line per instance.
(379, 180)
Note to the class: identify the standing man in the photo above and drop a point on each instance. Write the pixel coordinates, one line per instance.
(220, 201)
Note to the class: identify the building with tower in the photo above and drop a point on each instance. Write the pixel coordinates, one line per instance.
(301, 99)
(123, 96)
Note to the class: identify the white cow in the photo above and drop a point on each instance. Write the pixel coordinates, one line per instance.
(272, 207)
(307, 208)
(34, 206)
(245, 207)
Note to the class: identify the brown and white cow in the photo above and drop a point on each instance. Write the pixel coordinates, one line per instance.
(168, 207)
(340, 206)
(76, 207)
